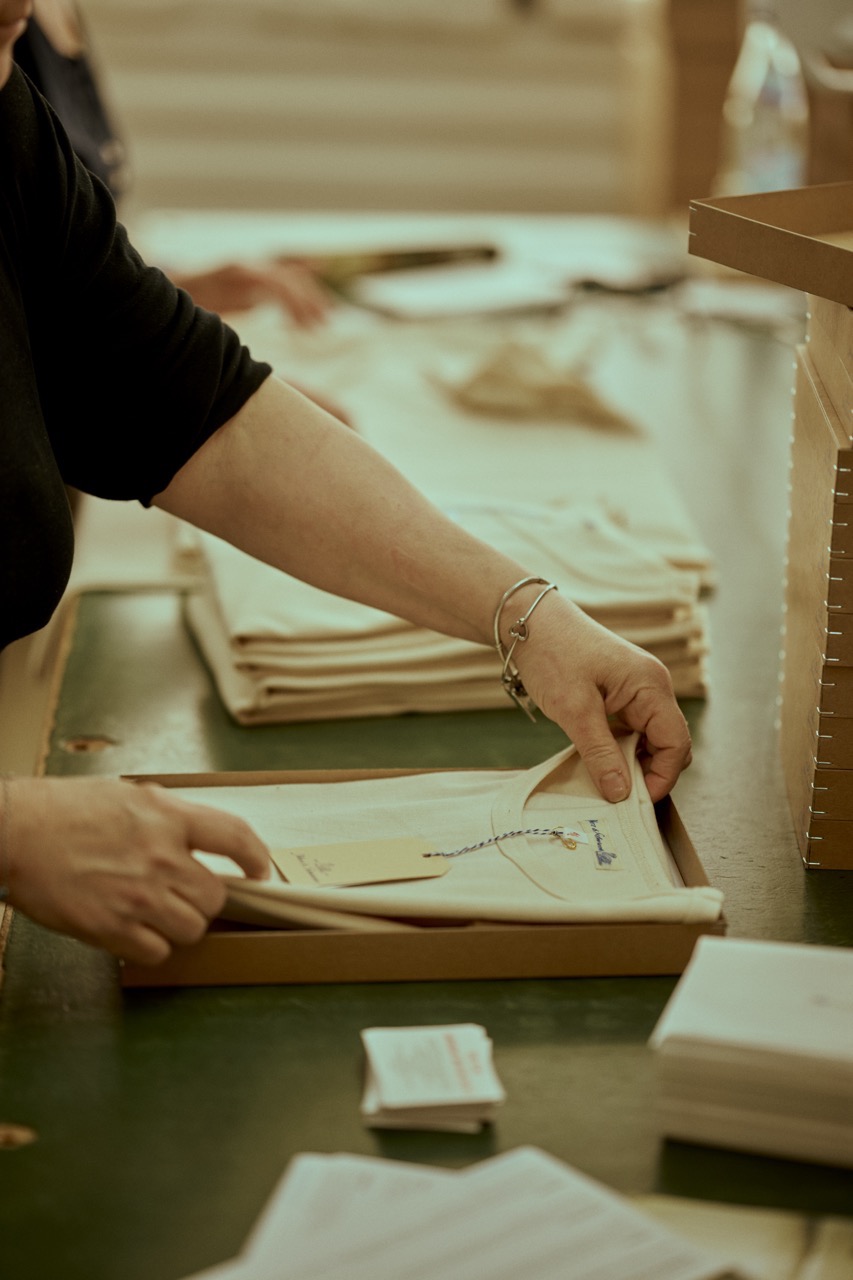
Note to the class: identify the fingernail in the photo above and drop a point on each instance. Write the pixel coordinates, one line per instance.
(613, 786)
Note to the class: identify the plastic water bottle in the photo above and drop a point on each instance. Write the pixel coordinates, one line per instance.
(765, 138)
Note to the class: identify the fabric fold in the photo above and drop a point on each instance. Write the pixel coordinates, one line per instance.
(281, 650)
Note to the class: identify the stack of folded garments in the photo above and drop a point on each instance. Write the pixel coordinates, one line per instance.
(281, 650)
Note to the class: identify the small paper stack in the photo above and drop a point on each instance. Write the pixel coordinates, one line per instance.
(438, 1077)
(755, 1050)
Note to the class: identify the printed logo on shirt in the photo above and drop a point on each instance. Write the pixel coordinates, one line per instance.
(604, 856)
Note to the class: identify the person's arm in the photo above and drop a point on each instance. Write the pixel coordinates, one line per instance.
(111, 862)
(291, 486)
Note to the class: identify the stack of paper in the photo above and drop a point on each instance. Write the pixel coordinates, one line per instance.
(520, 1214)
(755, 1050)
(283, 651)
(430, 1078)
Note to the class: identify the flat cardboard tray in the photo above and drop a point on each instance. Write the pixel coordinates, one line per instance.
(802, 238)
(239, 955)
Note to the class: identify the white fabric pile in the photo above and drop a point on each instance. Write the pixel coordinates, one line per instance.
(284, 651)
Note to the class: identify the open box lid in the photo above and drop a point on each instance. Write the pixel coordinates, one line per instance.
(802, 238)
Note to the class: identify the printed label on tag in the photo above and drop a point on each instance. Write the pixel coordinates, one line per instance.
(605, 856)
(355, 862)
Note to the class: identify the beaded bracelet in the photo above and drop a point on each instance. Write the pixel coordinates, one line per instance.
(510, 677)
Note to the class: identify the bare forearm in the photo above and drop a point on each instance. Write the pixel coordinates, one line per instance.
(291, 486)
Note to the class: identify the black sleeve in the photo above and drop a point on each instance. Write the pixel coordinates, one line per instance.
(132, 376)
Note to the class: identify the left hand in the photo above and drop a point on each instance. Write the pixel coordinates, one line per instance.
(579, 673)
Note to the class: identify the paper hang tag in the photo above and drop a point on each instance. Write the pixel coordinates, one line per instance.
(354, 862)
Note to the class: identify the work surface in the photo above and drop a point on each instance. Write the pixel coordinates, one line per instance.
(164, 1118)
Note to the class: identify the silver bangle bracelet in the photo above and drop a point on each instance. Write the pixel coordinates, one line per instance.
(510, 677)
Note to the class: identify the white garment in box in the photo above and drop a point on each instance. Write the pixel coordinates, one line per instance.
(620, 871)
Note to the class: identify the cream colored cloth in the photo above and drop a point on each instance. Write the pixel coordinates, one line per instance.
(282, 650)
(387, 375)
(519, 381)
(623, 870)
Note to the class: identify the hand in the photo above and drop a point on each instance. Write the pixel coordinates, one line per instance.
(579, 673)
(241, 286)
(111, 862)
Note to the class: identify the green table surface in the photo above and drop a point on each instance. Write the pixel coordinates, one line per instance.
(165, 1117)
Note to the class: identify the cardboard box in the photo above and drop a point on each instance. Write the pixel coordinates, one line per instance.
(829, 339)
(820, 535)
(802, 238)
(816, 717)
(836, 691)
(829, 844)
(839, 587)
(239, 955)
(834, 320)
(834, 742)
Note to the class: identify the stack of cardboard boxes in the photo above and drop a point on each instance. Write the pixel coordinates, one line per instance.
(802, 238)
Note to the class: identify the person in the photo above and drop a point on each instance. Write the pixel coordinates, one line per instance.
(53, 52)
(113, 381)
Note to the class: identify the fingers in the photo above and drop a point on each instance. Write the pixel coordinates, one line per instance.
(599, 750)
(665, 744)
(662, 770)
(174, 904)
(136, 943)
(582, 675)
(663, 755)
(148, 935)
(665, 749)
(213, 831)
(112, 863)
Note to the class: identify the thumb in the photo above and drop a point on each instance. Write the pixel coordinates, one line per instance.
(601, 753)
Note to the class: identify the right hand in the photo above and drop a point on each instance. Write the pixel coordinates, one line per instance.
(111, 862)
